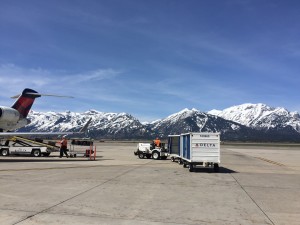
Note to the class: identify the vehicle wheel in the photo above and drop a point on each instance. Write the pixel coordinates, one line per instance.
(155, 155)
(5, 152)
(141, 155)
(180, 161)
(216, 167)
(191, 168)
(46, 154)
(36, 152)
(172, 159)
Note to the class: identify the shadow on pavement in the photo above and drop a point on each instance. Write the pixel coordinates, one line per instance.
(211, 170)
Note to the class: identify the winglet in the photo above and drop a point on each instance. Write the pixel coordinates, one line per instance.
(84, 128)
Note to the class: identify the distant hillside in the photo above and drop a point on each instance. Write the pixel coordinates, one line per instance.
(247, 122)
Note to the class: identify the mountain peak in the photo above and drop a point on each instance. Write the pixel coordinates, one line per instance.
(183, 113)
(260, 115)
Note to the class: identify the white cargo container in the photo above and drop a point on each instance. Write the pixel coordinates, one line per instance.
(200, 149)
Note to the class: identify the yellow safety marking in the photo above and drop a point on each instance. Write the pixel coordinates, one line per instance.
(15, 138)
(270, 161)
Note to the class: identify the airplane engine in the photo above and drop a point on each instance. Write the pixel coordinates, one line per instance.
(9, 115)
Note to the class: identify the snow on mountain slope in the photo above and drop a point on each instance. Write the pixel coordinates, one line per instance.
(181, 116)
(195, 121)
(235, 123)
(185, 113)
(260, 116)
(112, 123)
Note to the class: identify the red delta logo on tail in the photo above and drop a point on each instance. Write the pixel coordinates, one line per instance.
(25, 102)
(12, 118)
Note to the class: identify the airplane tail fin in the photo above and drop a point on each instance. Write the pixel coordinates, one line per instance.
(25, 101)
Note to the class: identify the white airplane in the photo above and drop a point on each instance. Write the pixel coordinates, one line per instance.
(15, 117)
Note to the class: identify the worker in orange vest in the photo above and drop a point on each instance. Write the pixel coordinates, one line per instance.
(157, 142)
(63, 147)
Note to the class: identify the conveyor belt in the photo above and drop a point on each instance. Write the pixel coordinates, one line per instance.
(26, 140)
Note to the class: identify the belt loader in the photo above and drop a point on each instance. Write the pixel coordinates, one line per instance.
(23, 146)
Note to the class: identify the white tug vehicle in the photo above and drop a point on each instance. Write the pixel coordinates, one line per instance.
(151, 151)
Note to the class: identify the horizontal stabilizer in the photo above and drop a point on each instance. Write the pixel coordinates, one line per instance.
(39, 94)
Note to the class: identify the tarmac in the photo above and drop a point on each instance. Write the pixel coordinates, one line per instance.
(255, 185)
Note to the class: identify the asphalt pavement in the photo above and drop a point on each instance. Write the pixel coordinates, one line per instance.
(255, 185)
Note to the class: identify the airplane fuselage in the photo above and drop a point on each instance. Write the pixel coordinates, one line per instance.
(10, 119)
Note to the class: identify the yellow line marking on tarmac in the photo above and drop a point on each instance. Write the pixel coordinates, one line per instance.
(270, 161)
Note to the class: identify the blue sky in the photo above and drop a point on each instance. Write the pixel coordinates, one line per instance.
(151, 58)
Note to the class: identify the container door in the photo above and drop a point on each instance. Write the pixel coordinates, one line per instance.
(175, 145)
(184, 145)
(188, 146)
(170, 145)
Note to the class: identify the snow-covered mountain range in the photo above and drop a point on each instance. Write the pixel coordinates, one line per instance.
(260, 116)
(247, 122)
(108, 125)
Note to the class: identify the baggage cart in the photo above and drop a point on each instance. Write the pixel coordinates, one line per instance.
(83, 147)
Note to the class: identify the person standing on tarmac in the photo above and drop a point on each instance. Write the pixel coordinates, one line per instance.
(157, 142)
(63, 147)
